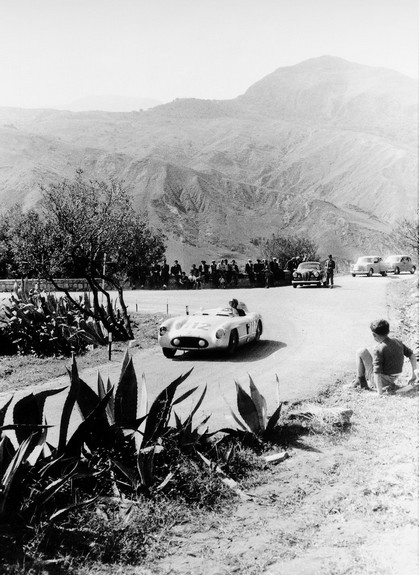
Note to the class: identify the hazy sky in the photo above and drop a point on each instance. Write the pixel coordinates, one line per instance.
(53, 52)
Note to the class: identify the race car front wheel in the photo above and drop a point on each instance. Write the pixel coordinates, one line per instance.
(168, 352)
(233, 342)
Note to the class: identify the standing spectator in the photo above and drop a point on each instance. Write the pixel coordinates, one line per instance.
(176, 271)
(274, 267)
(293, 263)
(249, 270)
(155, 275)
(234, 272)
(214, 273)
(329, 270)
(228, 272)
(204, 271)
(222, 270)
(164, 273)
(258, 270)
(267, 273)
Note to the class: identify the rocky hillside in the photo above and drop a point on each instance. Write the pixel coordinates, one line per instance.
(326, 148)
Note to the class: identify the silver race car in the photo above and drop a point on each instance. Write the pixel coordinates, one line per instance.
(220, 328)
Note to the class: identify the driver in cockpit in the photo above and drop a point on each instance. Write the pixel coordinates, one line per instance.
(235, 309)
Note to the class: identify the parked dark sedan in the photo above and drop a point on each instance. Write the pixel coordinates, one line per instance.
(308, 273)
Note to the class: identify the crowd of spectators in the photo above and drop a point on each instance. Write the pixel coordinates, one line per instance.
(216, 274)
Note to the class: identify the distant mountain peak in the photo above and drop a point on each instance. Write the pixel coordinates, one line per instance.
(111, 103)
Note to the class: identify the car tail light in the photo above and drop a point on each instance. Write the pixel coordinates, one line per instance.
(162, 330)
(220, 333)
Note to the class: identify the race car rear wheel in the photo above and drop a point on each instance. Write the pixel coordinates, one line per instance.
(370, 273)
(233, 342)
(397, 271)
(168, 352)
(413, 270)
(259, 331)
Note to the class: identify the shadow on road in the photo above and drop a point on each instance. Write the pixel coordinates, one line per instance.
(247, 353)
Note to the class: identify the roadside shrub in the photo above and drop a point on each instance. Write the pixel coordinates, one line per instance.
(45, 325)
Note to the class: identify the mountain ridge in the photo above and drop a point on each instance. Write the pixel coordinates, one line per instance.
(335, 159)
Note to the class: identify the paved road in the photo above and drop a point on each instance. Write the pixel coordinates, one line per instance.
(310, 338)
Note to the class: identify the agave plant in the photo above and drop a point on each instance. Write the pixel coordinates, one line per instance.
(44, 324)
(255, 424)
(130, 432)
(16, 462)
(120, 440)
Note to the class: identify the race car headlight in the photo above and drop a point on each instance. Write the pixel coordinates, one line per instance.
(295, 274)
(316, 274)
(176, 341)
(202, 343)
(220, 333)
(162, 330)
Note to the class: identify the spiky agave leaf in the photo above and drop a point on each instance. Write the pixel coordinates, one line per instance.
(260, 404)
(7, 452)
(274, 419)
(68, 406)
(146, 462)
(86, 428)
(87, 401)
(101, 393)
(29, 411)
(126, 395)
(11, 475)
(4, 409)
(111, 402)
(160, 411)
(187, 424)
(247, 409)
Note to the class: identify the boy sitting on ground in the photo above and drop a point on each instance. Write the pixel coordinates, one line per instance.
(380, 366)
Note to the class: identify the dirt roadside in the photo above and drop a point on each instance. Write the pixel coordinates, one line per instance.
(341, 504)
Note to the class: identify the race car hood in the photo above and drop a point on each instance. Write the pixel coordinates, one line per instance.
(188, 325)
